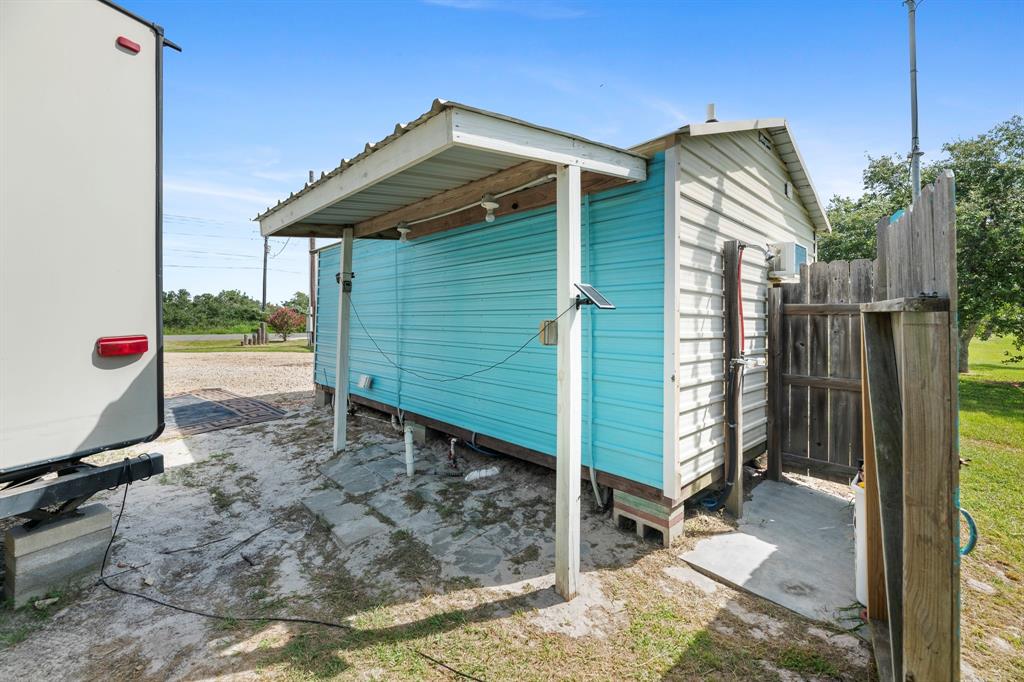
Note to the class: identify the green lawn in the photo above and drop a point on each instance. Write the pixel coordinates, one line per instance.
(992, 489)
(235, 346)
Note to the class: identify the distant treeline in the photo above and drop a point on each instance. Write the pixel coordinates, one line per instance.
(229, 312)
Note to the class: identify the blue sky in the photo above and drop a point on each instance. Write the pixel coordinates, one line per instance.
(265, 92)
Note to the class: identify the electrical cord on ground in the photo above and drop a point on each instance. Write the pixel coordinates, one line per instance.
(215, 616)
(445, 379)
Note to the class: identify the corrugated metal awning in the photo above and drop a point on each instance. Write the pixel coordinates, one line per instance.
(448, 147)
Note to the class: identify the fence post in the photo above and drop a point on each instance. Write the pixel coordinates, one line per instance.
(775, 393)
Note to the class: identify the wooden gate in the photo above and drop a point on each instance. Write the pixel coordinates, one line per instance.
(814, 367)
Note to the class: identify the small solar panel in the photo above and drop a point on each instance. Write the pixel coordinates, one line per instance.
(594, 297)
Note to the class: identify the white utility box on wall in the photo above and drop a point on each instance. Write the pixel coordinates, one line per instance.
(787, 257)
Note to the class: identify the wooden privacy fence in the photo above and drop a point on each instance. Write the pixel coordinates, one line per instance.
(815, 367)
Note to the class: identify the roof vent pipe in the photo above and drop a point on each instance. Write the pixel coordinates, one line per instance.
(711, 113)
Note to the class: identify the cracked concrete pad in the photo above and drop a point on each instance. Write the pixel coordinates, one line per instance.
(591, 613)
(354, 532)
(478, 557)
(352, 477)
(793, 546)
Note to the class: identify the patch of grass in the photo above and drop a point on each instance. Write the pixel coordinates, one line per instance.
(17, 624)
(806, 661)
(992, 488)
(409, 558)
(414, 501)
(235, 346)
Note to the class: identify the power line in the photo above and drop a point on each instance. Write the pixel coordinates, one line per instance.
(282, 248)
(444, 378)
(227, 267)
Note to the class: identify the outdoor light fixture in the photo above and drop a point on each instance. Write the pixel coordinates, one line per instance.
(404, 230)
(489, 203)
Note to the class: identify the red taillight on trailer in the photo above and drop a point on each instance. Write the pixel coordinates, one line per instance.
(128, 44)
(110, 346)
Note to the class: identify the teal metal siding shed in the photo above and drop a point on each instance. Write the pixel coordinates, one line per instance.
(458, 301)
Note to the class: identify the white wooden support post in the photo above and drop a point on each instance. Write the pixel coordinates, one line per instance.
(341, 360)
(570, 385)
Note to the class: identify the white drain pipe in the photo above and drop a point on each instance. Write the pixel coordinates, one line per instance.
(410, 468)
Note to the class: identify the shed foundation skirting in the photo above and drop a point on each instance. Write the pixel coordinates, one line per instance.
(617, 483)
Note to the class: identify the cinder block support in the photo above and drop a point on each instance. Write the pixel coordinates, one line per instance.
(321, 398)
(647, 514)
(48, 556)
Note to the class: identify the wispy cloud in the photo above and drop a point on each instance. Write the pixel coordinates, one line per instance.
(534, 10)
(245, 194)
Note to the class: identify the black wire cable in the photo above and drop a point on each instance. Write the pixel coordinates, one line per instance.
(216, 616)
(445, 379)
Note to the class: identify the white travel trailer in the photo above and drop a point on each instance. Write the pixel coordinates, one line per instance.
(80, 182)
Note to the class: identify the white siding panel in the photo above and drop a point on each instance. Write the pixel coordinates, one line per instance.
(732, 186)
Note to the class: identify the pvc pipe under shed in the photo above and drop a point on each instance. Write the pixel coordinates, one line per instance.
(410, 468)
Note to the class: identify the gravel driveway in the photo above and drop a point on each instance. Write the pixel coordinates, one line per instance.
(247, 374)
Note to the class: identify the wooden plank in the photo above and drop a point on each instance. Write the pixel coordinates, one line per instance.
(517, 202)
(861, 281)
(497, 183)
(569, 388)
(924, 239)
(914, 304)
(817, 468)
(883, 650)
(341, 359)
(821, 308)
(931, 646)
(776, 411)
(881, 259)
(826, 383)
(918, 221)
(796, 347)
(840, 365)
(733, 404)
(881, 373)
(877, 610)
(817, 351)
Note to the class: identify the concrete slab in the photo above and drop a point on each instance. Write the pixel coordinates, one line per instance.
(794, 546)
(352, 477)
(49, 556)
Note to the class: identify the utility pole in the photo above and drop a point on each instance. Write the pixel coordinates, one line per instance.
(266, 252)
(915, 142)
(312, 285)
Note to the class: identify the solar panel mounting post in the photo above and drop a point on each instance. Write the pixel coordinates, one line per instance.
(569, 412)
(341, 360)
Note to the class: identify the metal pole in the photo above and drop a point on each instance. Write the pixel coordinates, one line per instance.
(915, 142)
(312, 285)
(266, 252)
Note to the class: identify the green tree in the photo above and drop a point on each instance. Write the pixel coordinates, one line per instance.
(989, 173)
(299, 301)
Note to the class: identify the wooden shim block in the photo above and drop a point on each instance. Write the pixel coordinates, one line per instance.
(776, 409)
(883, 391)
(817, 352)
(931, 575)
(873, 530)
(796, 363)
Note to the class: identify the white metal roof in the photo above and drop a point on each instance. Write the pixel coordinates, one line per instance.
(447, 147)
(454, 144)
(782, 139)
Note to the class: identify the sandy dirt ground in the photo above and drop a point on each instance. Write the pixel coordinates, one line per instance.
(245, 523)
